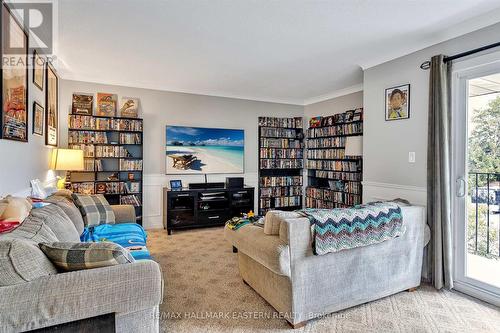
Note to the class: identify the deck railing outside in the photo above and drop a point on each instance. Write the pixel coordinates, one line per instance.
(483, 208)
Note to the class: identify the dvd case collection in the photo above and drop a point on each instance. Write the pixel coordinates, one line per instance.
(88, 149)
(339, 118)
(320, 143)
(280, 181)
(335, 175)
(331, 195)
(106, 124)
(131, 199)
(280, 122)
(281, 164)
(280, 202)
(111, 151)
(349, 166)
(285, 191)
(86, 137)
(326, 153)
(280, 143)
(83, 188)
(281, 153)
(336, 130)
(323, 204)
(130, 138)
(109, 188)
(277, 132)
(130, 165)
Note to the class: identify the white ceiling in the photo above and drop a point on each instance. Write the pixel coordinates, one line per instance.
(284, 50)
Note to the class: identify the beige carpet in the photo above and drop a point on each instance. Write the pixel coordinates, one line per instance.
(204, 293)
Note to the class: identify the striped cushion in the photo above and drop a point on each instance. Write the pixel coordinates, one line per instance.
(77, 256)
(95, 209)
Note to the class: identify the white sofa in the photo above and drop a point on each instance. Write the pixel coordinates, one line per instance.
(300, 285)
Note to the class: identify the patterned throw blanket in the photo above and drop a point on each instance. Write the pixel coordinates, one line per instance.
(334, 230)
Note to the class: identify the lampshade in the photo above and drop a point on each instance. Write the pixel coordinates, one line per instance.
(354, 146)
(67, 159)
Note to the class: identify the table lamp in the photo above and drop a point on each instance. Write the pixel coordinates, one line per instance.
(65, 160)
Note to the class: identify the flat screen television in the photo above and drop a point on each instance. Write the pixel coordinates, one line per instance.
(200, 150)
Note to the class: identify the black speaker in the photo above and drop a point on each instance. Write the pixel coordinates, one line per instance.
(234, 182)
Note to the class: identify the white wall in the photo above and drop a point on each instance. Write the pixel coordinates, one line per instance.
(159, 108)
(22, 161)
(335, 105)
(387, 173)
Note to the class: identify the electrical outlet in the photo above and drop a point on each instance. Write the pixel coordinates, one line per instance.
(411, 157)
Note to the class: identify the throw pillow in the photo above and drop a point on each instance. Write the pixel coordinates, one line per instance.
(56, 219)
(15, 209)
(70, 209)
(77, 256)
(21, 261)
(95, 209)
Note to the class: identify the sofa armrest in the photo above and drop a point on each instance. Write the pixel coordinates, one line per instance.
(81, 294)
(124, 213)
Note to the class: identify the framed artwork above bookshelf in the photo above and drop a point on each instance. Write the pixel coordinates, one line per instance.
(334, 172)
(113, 158)
(281, 161)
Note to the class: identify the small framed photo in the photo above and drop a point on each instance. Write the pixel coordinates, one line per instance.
(38, 70)
(38, 116)
(176, 184)
(397, 102)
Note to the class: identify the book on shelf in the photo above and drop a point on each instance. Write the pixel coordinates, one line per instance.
(88, 149)
(83, 188)
(337, 175)
(349, 166)
(280, 191)
(86, 137)
(111, 151)
(104, 124)
(132, 187)
(344, 129)
(278, 132)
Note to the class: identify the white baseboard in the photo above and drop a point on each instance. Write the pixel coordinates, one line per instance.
(374, 191)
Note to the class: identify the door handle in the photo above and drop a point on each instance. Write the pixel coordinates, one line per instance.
(213, 217)
(460, 187)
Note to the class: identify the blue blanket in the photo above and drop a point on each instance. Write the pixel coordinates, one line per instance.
(339, 229)
(129, 235)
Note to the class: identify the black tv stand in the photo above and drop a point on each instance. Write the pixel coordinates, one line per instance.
(210, 205)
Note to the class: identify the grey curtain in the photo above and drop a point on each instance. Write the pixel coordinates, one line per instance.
(439, 194)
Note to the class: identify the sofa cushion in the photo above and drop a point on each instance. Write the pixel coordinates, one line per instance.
(268, 250)
(76, 256)
(15, 208)
(35, 229)
(274, 218)
(67, 205)
(22, 261)
(57, 220)
(95, 209)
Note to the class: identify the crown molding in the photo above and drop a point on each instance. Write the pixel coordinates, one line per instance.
(334, 94)
(463, 28)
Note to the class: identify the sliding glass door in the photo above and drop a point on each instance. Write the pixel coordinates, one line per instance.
(476, 210)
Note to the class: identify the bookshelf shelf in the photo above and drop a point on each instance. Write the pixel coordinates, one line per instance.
(334, 179)
(281, 155)
(113, 158)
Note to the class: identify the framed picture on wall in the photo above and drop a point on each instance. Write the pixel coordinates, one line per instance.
(14, 79)
(37, 118)
(38, 70)
(397, 102)
(52, 112)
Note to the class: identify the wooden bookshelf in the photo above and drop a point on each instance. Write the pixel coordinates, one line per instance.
(281, 162)
(113, 158)
(334, 180)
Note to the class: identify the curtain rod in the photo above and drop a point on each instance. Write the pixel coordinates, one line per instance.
(427, 64)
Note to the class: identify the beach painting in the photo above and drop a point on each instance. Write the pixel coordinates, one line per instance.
(199, 150)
